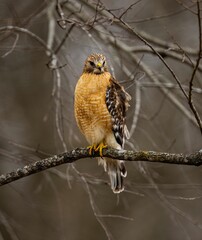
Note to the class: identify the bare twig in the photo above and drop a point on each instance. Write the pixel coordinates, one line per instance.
(115, 216)
(195, 70)
(169, 52)
(13, 46)
(194, 159)
(96, 13)
(62, 23)
(64, 39)
(51, 25)
(185, 6)
(128, 8)
(31, 34)
(157, 17)
(169, 85)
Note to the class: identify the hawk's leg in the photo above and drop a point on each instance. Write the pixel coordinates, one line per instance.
(100, 148)
(92, 148)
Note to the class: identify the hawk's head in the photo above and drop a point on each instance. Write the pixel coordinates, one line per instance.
(95, 63)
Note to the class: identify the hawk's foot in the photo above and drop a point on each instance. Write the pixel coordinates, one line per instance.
(92, 148)
(100, 148)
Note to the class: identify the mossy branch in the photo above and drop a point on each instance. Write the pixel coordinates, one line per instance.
(194, 159)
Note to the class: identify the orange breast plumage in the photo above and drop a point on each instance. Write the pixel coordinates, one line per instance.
(91, 112)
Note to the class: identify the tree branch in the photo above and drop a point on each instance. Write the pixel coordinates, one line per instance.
(194, 159)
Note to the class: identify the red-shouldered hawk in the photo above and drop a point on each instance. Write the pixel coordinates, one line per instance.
(100, 110)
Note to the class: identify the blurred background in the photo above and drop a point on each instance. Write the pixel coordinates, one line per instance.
(41, 58)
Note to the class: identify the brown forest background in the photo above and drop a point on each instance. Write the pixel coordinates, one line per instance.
(43, 45)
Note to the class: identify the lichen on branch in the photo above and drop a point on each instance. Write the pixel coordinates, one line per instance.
(194, 159)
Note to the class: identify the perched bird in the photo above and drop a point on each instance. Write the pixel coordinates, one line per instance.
(100, 110)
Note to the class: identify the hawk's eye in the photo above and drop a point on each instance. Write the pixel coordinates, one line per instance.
(92, 63)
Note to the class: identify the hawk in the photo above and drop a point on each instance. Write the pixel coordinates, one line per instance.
(100, 107)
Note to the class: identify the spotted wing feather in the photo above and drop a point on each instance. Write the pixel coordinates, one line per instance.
(117, 103)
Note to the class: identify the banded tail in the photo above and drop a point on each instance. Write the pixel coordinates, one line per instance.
(116, 171)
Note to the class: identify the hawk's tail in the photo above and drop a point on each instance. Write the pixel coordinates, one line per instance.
(116, 171)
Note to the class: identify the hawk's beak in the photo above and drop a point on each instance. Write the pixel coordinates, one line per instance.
(99, 64)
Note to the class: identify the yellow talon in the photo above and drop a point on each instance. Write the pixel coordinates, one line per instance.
(91, 148)
(100, 148)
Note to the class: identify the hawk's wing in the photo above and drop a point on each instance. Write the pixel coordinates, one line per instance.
(117, 103)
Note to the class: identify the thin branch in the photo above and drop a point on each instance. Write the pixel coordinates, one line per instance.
(185, 6)
(157, 17)
(194, 159)
(182, 56)
(169, 85)
(96, 13)
(13, 46)
(115, 216)
(51, 25)
(64, 39)
(191, 104)
(31, 34)
(62, 23)
(129, 8)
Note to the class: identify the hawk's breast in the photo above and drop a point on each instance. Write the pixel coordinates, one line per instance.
(91, 112)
